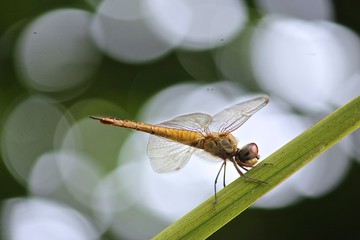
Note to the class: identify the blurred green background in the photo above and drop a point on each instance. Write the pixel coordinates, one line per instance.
(125, 86)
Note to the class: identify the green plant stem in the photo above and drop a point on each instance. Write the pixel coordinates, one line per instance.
(239, 195)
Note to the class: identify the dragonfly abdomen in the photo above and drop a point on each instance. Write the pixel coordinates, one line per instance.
(178, 135)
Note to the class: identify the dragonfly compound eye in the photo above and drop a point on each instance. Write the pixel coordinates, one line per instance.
(248, 154)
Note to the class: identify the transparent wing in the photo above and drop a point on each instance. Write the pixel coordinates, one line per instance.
(194, 122)
(206, 156)
(166, 155)
(232, 118)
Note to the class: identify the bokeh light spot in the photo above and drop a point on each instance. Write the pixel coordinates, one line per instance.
(295, 58)
(41, 219)
(61, 55)
(30, 126)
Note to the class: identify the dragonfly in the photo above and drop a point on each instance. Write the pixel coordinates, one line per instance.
(172, 143)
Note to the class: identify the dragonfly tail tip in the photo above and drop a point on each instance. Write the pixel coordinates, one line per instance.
(96, 118)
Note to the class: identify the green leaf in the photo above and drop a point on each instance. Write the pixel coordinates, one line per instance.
(239, 195)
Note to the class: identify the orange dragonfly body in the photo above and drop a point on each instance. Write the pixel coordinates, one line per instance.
(172, 143)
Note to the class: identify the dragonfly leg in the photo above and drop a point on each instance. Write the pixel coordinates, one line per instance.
(217, 176)
(243, 175)
(244, 168)
(224, 183)
(236, 167)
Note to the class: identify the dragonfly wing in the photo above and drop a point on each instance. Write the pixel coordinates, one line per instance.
(197, 122)
(166, 155)
(232, 118)
(206, 156)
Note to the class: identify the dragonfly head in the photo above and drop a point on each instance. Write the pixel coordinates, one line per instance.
(247, 155)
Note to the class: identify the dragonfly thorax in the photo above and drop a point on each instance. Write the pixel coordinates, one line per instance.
(222, 145)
